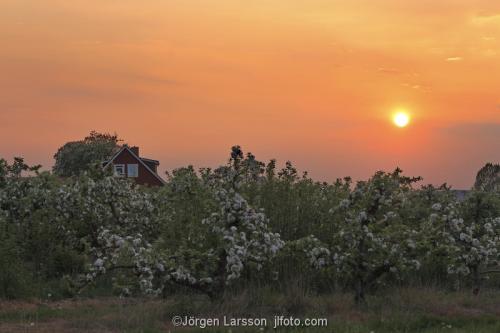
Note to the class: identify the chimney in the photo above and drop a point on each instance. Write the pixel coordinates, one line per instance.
(135, 150)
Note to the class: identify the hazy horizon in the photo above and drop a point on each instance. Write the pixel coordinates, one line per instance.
(314, 82)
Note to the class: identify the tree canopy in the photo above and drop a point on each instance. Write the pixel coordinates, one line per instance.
(488, 178)
(77, 156)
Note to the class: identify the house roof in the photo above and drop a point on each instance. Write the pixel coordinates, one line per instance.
(126, 147)
(150, 160)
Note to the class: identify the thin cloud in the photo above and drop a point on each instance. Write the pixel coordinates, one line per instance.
(416, 86)
(490, 53)
(87, 93)
(486, 18)
(145, 78)
(452, 59)
(387, 70)
(475, 130)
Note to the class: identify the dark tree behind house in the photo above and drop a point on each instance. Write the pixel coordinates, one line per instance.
(77, 156)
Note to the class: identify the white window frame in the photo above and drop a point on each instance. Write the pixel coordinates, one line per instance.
(133, 174)
(115, 170)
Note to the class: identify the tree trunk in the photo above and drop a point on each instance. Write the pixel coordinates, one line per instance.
(359, 289)
(476, 288)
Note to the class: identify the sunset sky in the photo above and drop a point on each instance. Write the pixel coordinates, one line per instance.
(311, 81)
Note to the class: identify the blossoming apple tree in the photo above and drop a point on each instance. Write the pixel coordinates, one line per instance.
(234, 236)
(374, 236)
(468, 233)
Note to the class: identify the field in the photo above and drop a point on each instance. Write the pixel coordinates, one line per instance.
(405, 310)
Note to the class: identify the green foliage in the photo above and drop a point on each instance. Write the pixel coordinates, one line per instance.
(77, 156)
(467, 233)
(374, 235)
(488, 178)
(243, 224)
(14, 277)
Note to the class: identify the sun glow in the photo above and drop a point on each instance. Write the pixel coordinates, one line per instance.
(401, 119)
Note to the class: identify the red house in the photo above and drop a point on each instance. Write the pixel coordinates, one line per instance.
(127, 163)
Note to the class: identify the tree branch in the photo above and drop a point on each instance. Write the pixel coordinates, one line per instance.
(490, 271)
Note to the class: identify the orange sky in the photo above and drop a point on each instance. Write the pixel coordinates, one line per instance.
(312, 81)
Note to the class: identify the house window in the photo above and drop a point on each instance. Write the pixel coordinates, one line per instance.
(119, 170)
(133, 170)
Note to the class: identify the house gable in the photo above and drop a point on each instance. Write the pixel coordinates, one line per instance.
(131, 163)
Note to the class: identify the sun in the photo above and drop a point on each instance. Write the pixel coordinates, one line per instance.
(401, 119)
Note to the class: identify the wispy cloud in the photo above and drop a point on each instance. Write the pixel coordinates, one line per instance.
(83, 92)
(417, 86)
(475, 130)
(452, 59)
(490, 53)
(387, 70)
(486, 18)
(413, 86)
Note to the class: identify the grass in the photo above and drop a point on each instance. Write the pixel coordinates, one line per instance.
(402, 310)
